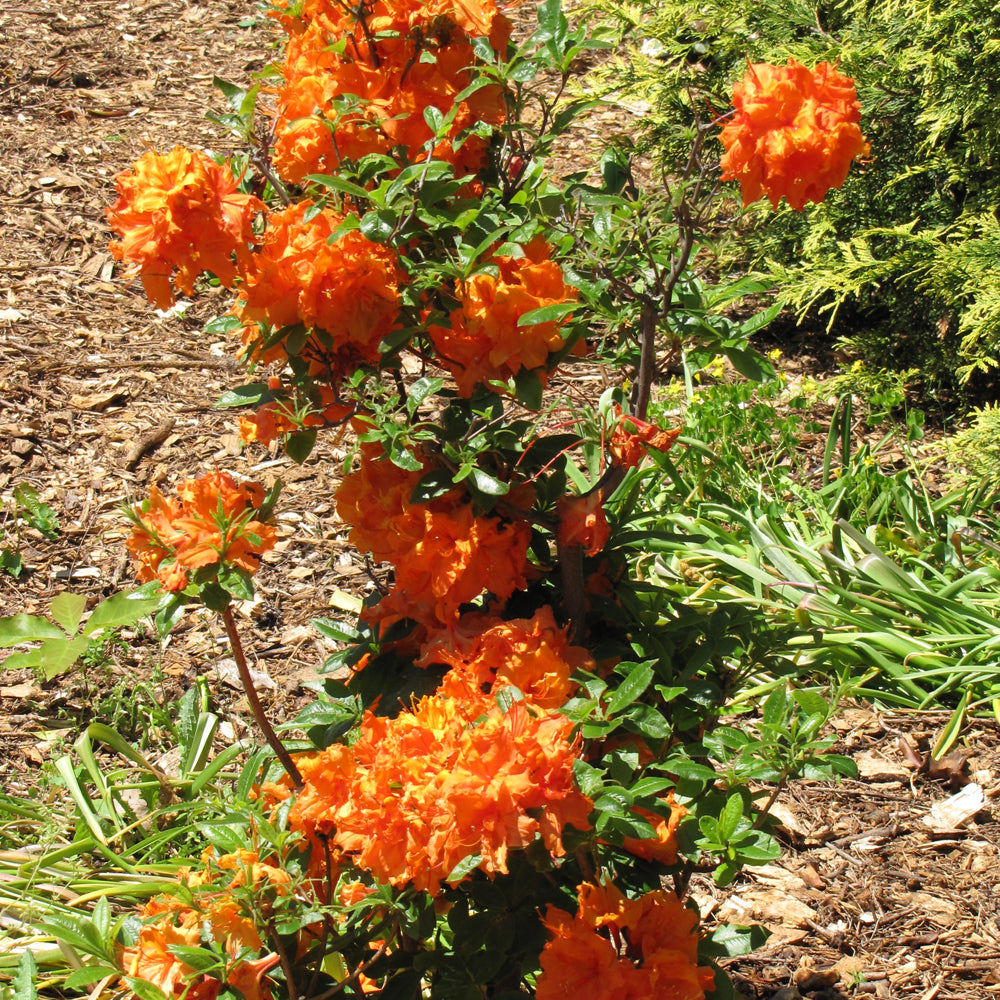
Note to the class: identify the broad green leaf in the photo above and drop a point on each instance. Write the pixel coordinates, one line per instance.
(27, 628)
(11, 562)
(299, 445)
(732, 940)
(67, 610)
(632, 686)
(125, 608)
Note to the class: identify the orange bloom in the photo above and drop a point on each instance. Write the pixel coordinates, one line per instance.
(663, 847)
(213, 916)
(623, 949)
(290, 413)
(632, 436)
(486, 654)
(485, 342)
(582, 522)
(409, 58)
(347, 291)
(181, 211)
(211, 523)
(443, 553)
(795, 132)
(416, 795)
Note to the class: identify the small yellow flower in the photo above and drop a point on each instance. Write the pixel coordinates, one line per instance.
(774, 354)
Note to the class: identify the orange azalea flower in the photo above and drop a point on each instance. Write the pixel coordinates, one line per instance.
(150, 957)
(486, 654)
(443, 553)
(181, 211)
(663, 847)
(211, 523)
(582, 522)
(408, 59)
(416, 795)
(485, 342)
(288, 414)
(795, 132)
(348, 289)
(632, 436)
(651, 950)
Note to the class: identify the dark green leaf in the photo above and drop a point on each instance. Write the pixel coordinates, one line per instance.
(378, 226)
(299, 445)
(632, 686)
(222, 325)
(528, 389)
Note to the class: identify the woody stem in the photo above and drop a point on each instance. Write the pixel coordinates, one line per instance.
(255, 706)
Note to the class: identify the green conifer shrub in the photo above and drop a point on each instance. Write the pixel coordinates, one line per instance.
(904, 260)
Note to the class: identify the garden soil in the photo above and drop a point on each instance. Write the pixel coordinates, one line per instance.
(100, 397)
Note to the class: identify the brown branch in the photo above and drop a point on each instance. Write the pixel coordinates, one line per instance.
(255, 706)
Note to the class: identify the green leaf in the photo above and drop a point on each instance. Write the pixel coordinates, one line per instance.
(11, 562)
(731, 940)
(27, 628)
(55, 656)
(126, 608)
(548, 314)
(67, 609)
(434, 484)
(775, 708)
(339, 184)
(465, 867)
(729, 821)
(420, 390)
(379, 226)
(143, 989)
(233, 93)
(244, 395)
(486, 484)
(87, 975)
(528, 389)
(635, 683)
(24, 978)
(299, 446)
(36, 513)
(223, 325)
(214, 597)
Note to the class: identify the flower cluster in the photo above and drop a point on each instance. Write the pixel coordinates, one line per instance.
(345, 290)
(354, 86)
(795, 132)
(215, 916)
(211, 523)
(415, 796)
(444, 554)
(622, 949)
(181, 211)
(485, 341)
(485, 654)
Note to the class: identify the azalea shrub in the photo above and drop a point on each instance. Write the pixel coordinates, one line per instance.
(514, 764)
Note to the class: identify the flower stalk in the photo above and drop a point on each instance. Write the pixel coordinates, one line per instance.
(236, 645)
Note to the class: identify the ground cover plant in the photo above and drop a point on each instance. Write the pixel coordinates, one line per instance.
(583, 698)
